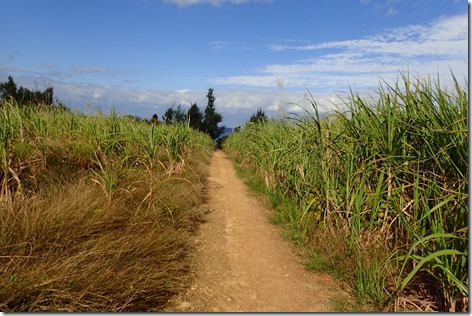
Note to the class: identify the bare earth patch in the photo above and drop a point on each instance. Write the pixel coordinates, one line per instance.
(242, 264)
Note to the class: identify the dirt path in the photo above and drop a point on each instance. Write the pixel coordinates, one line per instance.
(242, 263)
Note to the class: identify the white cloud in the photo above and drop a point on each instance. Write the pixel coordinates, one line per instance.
(89, 69)
(236, 105)
(445, 37)
(438, 47)
(187, 3)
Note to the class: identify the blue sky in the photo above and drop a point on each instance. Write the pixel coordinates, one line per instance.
(142, 56)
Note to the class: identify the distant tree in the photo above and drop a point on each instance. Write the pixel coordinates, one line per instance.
(258, 117)
(194, 117)
(168, 116)
(8, 89)
(174, 116)
(25, 96)
(155, 119)
(212, 118)
(179, 116)
(48, 96)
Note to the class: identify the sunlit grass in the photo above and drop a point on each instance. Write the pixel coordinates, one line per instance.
(388, 176)
(74, 232)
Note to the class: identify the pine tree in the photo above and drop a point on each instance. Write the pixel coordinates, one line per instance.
(194, 117)
(179, 116)
(258, 117)
(9, 89)
(211, 118)
(168, 116)
(174, 116)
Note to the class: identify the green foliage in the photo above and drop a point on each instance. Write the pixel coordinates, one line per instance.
(24, 96)
(389, 175)
(9, 89)
(194, 117)
(174, 115)
(370, 282)
(206, 122)
(74, 235)
(155, 119)
(212, 118)
(258, 117)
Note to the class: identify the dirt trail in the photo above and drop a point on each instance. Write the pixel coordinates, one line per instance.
(242, 264)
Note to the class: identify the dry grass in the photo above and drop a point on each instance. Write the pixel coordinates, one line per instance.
(68, 246)
(70, 250)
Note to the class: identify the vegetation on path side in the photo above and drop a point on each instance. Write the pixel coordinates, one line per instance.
(95, 211)
(377, 194)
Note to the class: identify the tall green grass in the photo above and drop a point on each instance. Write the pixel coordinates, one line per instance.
(386, 180)
(96, 211)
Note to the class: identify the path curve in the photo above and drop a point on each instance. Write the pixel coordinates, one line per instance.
(241, 263)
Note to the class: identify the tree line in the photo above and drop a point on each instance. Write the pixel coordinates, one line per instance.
(206, 121)
(24, 96)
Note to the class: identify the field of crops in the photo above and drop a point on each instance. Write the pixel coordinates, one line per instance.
(377, 193)
(96, 210)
